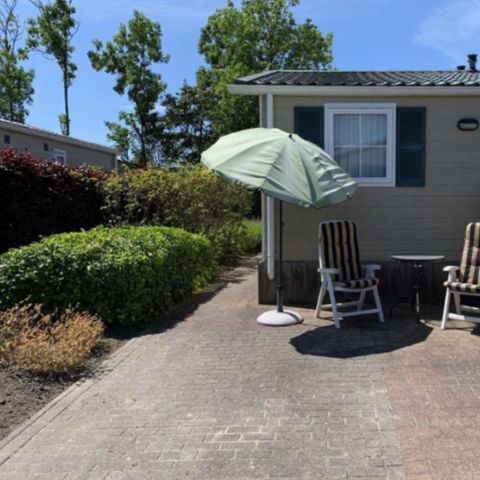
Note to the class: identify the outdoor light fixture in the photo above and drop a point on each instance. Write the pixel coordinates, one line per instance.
(467, 124)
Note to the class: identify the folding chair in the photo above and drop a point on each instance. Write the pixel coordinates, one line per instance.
(341, 271)
(464, 280)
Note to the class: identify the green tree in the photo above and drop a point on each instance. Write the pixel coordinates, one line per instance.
(120, 136)
(186, 129)
(130, 56)
(259, 35)
(16, 83)
(52, 34)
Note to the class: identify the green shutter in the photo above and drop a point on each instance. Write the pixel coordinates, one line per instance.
(309, 124)
(410, 170)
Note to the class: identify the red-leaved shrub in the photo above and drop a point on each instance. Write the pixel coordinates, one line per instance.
(41, 198)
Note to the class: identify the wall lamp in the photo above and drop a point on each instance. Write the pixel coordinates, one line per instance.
(468, 124)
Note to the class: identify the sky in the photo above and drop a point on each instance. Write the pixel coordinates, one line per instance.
(367, 35)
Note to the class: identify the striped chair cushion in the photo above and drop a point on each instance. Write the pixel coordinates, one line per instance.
(470, 265)
(359, 283)
(463, 287)
(339, 249)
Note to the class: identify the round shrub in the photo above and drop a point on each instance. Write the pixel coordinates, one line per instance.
(123, 275)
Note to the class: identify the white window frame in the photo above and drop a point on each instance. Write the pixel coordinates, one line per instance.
(388, 109)
(62, 153)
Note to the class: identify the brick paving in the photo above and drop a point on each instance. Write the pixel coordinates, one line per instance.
(434, 390)
(218, 396)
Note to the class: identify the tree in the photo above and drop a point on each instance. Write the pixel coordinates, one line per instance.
(186, 129)
(130, 56)
(16, 83)
(120, 136)
(260, 35)
(52, 34)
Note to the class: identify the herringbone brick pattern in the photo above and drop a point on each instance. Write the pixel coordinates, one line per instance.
(220, 397)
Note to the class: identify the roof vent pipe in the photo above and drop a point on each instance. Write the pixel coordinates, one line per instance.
(472, 62)
(461, 67)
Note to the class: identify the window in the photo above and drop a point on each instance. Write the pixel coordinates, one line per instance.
(45, 147)
(6, 139)
(59, 156)
(361, 138)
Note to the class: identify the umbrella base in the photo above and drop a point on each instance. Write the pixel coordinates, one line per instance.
(280, 319)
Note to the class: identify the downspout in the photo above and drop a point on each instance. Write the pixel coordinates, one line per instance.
(270, 204)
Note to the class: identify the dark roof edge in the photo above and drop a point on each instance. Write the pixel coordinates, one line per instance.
(250, 78)
(370, 78)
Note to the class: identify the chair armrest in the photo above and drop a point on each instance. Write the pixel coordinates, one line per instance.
(451, 268)
(452, 272)
(371, 267)
(370, 270)
(329, 271)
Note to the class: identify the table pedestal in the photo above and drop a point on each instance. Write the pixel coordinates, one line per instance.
(417, 262)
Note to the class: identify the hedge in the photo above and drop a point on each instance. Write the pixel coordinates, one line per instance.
(42, 198)
(188, 197)
(123, 275)
(38, 199)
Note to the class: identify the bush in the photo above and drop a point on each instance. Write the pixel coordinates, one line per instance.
(189, 198)
(38, 199)
(42, 198)
(33, 342)
(123, 275)
(253, 236)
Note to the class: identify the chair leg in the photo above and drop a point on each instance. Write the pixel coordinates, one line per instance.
(321, 296)
(378, 303)
(361, 301)
(446, 308)
(333, 301)
(456, 298)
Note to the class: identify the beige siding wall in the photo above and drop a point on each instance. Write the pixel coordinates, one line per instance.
(76, 155)
(428, 219)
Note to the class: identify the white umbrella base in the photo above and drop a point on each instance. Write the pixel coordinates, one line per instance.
(280, 319)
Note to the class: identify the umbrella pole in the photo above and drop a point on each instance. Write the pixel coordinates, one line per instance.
(280, 285)
(280, 317)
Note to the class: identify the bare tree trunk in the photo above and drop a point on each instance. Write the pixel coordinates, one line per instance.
(65, 99)
(144, 149)
(66, 84)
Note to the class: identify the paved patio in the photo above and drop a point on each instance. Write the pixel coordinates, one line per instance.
(219, 397)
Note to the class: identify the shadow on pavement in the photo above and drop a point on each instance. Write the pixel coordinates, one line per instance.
(367, 337)
(182, 311)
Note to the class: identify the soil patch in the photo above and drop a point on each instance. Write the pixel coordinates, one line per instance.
(21, 394)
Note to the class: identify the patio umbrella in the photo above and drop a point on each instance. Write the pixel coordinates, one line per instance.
(287, 168)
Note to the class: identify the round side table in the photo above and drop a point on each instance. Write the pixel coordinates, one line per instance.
(417, 263)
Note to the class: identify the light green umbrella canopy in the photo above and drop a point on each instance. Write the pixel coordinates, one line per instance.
(281, 165)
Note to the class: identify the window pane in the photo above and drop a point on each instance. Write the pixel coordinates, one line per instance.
(374, 162)
(349, 160)
(346, 129)
(374, 129)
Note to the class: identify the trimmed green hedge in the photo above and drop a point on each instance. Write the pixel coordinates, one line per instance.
(124, 275)
(189, 197)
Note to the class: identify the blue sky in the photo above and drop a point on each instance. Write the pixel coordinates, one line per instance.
(368, 34)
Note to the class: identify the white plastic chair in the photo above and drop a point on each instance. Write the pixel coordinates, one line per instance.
(464, 280)
(341, 271)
